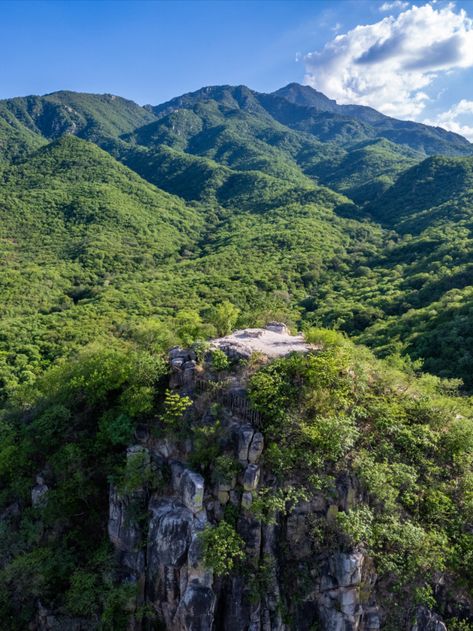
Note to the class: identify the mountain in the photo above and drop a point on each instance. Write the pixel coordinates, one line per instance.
(126, 231)
(429, 140)
(84, 115)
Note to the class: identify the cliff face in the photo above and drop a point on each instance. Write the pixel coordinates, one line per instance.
(287, 580)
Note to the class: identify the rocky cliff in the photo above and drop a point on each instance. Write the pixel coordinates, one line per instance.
(285, 579)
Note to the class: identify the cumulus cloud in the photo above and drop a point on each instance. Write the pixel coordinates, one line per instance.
(393, 6)
(456, 119)
(389, 65)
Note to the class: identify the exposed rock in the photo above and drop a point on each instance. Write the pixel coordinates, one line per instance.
(223, 497)
(272, 341)
(426, 620)
(256, 448)
(246, 500)
(192, 490)
(39, 492)
(47, 620)
(251, 477)
(125, 534)
(297, 532)
(170, 532)
(338, 598)
(346, 568)
(334, 591)
(249, 529)
(277, 327)
(188, 370)
(245, 437)
(196, 609)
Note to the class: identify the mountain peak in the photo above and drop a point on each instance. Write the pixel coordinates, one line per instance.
(306, 96)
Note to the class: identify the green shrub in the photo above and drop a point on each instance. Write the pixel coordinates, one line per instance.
(175, 406)
(224, 317)
(224, 468)
(223, 548)
(219, 360)
(325, 338)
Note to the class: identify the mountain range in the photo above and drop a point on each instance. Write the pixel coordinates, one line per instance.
(126, 231)
(285, 203)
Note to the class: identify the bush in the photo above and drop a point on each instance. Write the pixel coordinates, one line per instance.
(224, 317)
(175, 406)
(220, 361)
(224, 469)
(325, 338)
(223, 548)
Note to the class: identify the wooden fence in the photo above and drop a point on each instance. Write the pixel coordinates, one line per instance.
(238, 404)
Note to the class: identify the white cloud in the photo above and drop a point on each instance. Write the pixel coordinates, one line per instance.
(458, 118)
(393, 6)
(390, 64)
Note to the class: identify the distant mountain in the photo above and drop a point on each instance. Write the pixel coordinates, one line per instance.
(304, 109)
(429, 140)
(125, 230)
(32, 119)
(287, 186)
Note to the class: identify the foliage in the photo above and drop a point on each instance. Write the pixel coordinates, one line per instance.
(223, 548)
(224, 468)
(174, 408)
(101, 272)
(395, 430)
(219, 360)
(223, 317)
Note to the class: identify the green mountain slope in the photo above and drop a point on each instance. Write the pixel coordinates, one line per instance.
(74, 223)
(88, 116)
(257, 209)
(321, 111)
(125, 230)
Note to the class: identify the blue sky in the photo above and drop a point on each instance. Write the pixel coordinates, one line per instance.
(151, 51)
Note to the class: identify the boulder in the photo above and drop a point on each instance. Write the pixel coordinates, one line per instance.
(277, 327)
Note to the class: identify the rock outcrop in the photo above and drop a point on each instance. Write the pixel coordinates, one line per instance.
(287, 580)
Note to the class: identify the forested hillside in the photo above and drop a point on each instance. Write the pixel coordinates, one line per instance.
(125, 230)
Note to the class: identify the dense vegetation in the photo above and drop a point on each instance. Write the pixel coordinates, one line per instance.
(407, 440)
(126, 229)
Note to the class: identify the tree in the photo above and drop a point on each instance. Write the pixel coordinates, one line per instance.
(224, 317)
(188, 326)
